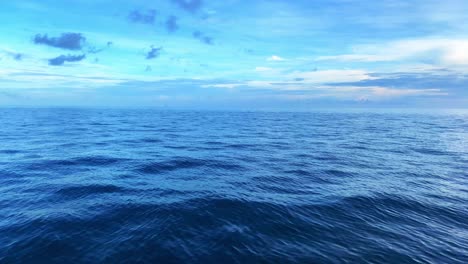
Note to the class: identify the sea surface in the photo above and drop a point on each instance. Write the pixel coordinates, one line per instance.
(152, 186)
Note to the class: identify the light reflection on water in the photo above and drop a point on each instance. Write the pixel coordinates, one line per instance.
(142, 185)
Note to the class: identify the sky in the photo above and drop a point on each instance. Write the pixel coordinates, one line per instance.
(234, 54)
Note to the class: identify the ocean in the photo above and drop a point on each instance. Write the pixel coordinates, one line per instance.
(155, 186)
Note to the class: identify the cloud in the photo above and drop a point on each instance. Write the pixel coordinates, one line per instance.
(304, 80)
(307, 91)
(18, 56)
(451, 82)
(207, 40)
(12, 54)
(197, 34)
(356, 57)
(442, 51)
(94, 50)
(11, 95)
(384, 92)
(327, 76)
(275, 58)
(171, 24)
(263, 69)
(223, 92)
(148, 17)
(224, 85)
(202, 37)
(191, 6)
(60, 60)
(153, 53)
(42, 78)
(69, 41)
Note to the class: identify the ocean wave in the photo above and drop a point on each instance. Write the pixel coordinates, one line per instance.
(50, 164)
(175, 187)
(242, 229)
(85, 190)
(185, 163)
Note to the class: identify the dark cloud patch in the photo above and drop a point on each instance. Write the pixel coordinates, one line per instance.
(153, 53)
(171, 24)
(197, 34)
(202, 37)
(143, 17)
(207, 40)
(191, 6)
(15, 55)
(18, 56)
(69, 41)
(60, 60)
(148, 68)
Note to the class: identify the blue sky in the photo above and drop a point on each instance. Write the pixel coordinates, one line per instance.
(257, 54)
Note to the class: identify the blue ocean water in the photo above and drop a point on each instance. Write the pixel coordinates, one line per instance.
(148, 186)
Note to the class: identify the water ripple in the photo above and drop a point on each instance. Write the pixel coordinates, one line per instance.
(142, 186)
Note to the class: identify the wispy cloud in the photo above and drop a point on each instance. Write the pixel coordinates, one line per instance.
(326, 76)
(94, 50)
(143, 17)
(42, 78)
(202, 37)
(337, 92)
(298, 49)
(275, 58)
(263, 69)
(304, 80)
(444, 51)
(345, 84)
(60, 60)
(18, 56)
(10, 94)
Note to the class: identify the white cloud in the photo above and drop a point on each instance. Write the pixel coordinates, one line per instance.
(29, 78)
(330, 76)
(263, 69)
(223, 85)
(443, 51)
(374, 93)
(389, 92)
(316, 84)
(302, 80)
(275, 58)
(355, 57)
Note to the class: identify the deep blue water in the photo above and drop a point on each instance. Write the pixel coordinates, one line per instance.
(148, 186)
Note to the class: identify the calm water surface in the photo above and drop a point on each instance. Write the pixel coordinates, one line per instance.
(147, 186)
